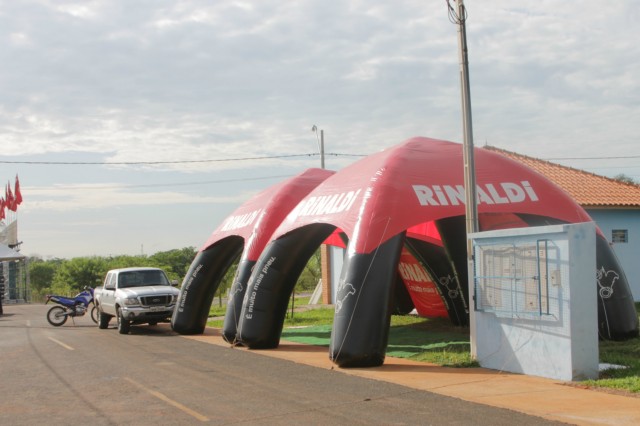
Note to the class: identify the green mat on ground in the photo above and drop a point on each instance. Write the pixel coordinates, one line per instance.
(404, 341)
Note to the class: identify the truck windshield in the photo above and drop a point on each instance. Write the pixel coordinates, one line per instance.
(142, 278)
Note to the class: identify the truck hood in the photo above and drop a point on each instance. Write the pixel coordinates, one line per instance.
(149, 290)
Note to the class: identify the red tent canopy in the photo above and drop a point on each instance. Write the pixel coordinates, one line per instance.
(420, 181)
(257, 218)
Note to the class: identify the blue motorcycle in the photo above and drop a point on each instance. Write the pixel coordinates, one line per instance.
(71, 307)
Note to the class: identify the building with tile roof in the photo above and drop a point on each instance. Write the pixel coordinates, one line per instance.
(613, 205)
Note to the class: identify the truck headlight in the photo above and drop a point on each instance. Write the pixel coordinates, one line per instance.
(131, 301)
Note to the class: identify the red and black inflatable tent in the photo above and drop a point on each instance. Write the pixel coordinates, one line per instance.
(409, 197)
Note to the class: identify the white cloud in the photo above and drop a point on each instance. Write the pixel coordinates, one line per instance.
(102, 196)
(19, 39)
(81, 11)
(121, 81)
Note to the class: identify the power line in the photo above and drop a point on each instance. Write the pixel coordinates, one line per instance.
(542, 158)
(615, 166)
(120, 163)
(593, 158)
(266, 157)
(124, 186)
(129, 163)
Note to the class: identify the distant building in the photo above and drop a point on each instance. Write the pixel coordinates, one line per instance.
(613, 205)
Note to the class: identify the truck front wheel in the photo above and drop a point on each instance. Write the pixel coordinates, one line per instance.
(103, 319)
(123, 324)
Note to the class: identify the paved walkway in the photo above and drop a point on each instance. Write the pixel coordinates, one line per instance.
(550, 399)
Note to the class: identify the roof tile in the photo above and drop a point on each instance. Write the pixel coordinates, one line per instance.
(588, 189)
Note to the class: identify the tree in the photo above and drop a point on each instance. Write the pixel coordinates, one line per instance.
(69, 277)
(168, 263)
(125, 261)
(227, 281)
(177, 261)
(74, 274)
(311, 274)
(625, 179)
(41, 274)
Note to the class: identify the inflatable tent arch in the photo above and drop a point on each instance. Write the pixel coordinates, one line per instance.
(374, 201)
(244, 233)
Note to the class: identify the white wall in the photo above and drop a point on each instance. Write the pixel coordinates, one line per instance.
(562, 342)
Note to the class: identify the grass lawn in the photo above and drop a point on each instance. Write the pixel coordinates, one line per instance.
(438, 342)
(625, 354)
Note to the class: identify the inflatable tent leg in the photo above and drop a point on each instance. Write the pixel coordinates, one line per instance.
(617, 317)
(363, 306)
(236, 297)
(435, 261)
(200, 285)
(402, 302)
(272, 282)
(454, 238)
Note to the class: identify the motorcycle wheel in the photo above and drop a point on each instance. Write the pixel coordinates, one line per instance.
(94, 313)
(57, 316)
(123, 324)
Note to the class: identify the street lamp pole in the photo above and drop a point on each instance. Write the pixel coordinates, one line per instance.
(322, 149)
(325, 258)
(320, 144)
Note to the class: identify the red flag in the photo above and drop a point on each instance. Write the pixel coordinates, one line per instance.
(9, 198)
(2, 204)
(18, 194)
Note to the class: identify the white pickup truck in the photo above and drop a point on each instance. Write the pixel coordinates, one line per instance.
(135, 296)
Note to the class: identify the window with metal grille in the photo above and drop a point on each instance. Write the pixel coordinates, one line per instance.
(619, 236)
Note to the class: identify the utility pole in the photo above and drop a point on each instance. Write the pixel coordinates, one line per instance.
(467, 126)
(471, 207)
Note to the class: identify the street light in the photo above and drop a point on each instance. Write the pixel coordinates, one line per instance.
(325, 259)
(320, 144)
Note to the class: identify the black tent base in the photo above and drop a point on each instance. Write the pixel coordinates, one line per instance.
(200, 284)
(271, 284)
(363, 306)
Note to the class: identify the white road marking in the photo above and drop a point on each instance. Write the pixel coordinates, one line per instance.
(169, 401)
(61, 344)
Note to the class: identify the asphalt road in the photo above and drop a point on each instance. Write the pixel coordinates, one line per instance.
(78, 374)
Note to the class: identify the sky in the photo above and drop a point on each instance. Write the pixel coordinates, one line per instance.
(138, 126)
